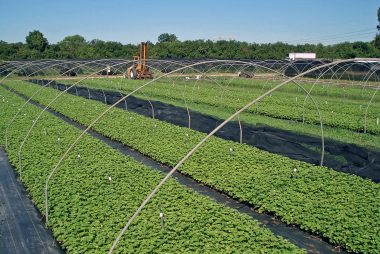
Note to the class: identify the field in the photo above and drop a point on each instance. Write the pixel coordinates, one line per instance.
(220, 99)
(306, 155)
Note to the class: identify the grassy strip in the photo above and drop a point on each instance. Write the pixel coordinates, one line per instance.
(87, 211)
(338, 206)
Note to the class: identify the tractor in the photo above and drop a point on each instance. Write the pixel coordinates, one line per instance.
(139, 69)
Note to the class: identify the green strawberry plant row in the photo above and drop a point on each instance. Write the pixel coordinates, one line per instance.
(97, 189)
(341, 207)
(340, 107)
(371, 141)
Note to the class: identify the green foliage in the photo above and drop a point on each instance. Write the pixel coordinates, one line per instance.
(340, 107)
(108, 49)
(376, 42)
(165, 37)
(74, 47)
(183, 95)
(36, 40)
(87, 212)
(343, 208)
(168, 46)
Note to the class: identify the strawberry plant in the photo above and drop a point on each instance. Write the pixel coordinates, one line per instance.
(343, 208)
(87, 211)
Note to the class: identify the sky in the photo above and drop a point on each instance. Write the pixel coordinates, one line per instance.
(127, 21)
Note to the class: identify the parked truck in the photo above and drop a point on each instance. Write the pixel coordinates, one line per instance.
(301, 56)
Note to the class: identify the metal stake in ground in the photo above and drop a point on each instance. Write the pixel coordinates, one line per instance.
(162, 218)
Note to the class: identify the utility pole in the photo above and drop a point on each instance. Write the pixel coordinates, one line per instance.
(378, 19)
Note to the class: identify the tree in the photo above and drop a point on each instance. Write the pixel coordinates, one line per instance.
(168, 46)
(376, 41)
(75, 46)
(74, 40)
(107, 49)
(36, 40)
(165, 37)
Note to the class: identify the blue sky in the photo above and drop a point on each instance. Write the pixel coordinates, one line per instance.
(293, 21)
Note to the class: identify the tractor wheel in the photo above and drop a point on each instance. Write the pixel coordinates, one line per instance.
(132, 73)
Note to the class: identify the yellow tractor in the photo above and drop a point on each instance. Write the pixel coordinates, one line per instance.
(139, 69)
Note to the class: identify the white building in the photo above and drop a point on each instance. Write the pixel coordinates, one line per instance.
(298, 56)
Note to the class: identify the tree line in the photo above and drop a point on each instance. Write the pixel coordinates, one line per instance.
(36, 46)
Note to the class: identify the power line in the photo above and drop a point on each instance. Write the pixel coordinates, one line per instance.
(341, 38)
(330, 35)
(341, 35)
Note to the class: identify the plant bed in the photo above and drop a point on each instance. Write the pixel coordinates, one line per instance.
(87, 211)
(338, 206)
(348, 158)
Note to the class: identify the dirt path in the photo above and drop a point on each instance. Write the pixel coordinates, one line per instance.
(21, 226)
